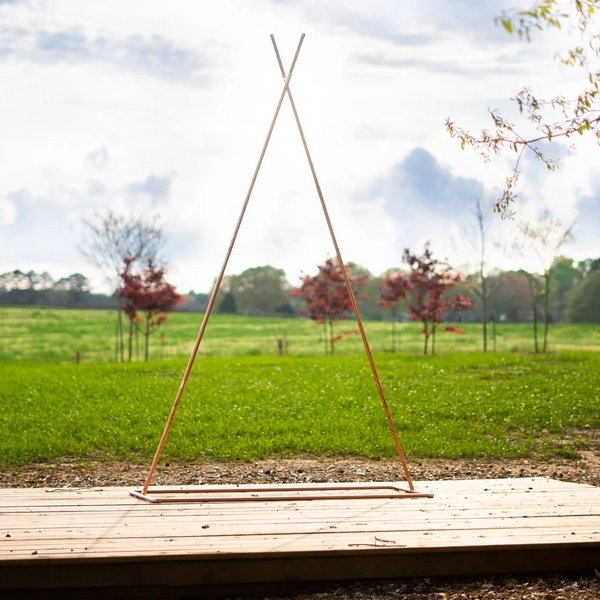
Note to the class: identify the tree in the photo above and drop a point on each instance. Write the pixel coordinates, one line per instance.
(73, 289)
(31, 288)
(424, 289)
(327, 298)
(565, 277)
(14, 280)
(109, 239)
(546, 237)
(547, 119)
(75, 282)
(228, 305)
(583, 305)
(146, 291)
(392, 292)
(510, 299)
(38, 281)
(480, 283)
(586, 266)
(533, 287)
(76, 287)
(19, 287)
(259, 291)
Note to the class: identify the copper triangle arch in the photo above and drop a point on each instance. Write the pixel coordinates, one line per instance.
(286, 492)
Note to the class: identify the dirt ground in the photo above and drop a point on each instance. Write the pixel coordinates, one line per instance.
(578, 586)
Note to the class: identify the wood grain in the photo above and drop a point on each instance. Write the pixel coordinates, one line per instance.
(58, 536)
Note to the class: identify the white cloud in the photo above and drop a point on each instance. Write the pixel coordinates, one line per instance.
(99, 158)
(163, 106)
(7, 212)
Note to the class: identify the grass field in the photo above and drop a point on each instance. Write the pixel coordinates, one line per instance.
(248, 407)
(57, 335)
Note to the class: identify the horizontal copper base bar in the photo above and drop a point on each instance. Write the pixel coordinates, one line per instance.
(276, 493)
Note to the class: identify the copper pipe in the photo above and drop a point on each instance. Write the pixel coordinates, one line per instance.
(219, 280)
(348, 282)
(278, 493)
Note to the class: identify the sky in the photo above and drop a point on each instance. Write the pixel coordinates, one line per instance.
(161, 107)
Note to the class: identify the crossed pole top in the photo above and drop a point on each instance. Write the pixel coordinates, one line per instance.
(218, 281)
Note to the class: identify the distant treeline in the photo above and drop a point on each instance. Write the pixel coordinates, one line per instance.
(513, 296)
(20, 288)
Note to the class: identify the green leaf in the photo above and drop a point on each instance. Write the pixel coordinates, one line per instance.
(507, 24)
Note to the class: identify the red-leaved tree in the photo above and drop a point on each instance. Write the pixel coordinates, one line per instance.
(145, 291)
(327, 298)
(392, 291)
(424, 288)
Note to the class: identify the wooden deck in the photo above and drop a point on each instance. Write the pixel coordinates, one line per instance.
(100, 542)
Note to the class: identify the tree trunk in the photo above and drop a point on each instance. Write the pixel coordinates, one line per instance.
(482, 278)
(484, 313)
(484, 332)
(546, 310)
(147, 339)
(117, 339)
(433, 328)
(426, 336)
(536, 345)
(120, 328)
(137, 341)
(532, 295)
(331, 342)
(130, 341)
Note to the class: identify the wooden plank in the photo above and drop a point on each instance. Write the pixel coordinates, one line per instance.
(70, 535)
(283, 517)
(154, 540)
(586, 497)
(280, 546)
(170, 527)
(23, 502)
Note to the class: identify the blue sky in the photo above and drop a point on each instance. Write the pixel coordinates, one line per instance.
(161, 107)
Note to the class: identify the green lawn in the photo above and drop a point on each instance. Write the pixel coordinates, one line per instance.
(57, 335)
(248, 407)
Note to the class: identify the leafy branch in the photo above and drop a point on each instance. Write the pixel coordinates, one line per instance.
(552, 118)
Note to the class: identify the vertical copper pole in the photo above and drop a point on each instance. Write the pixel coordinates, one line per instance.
(219, 280)
(348, 282)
